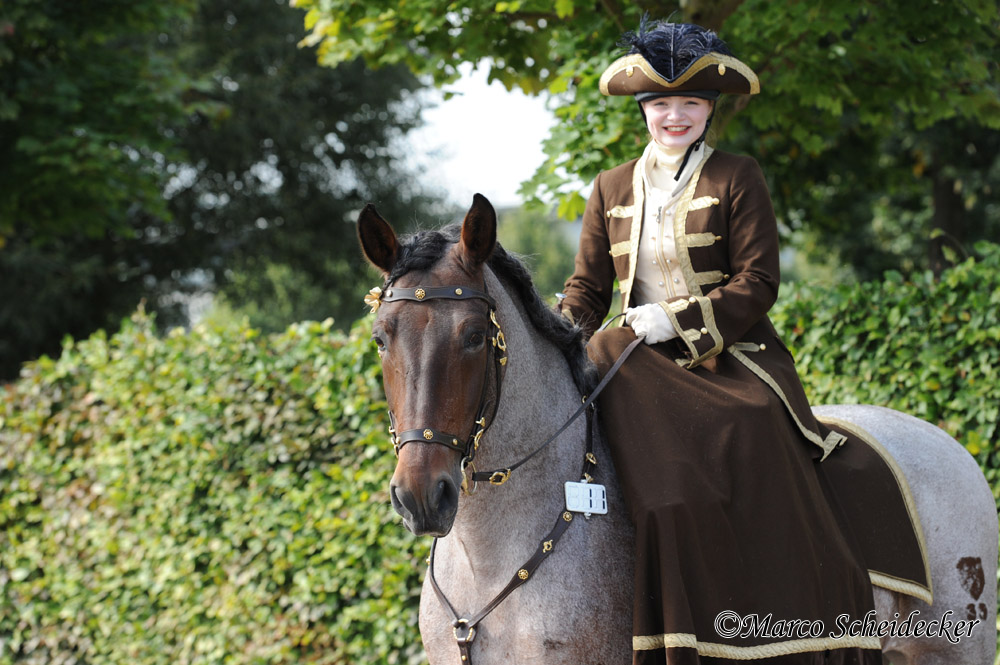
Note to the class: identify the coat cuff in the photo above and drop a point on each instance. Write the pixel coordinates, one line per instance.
(694, 321)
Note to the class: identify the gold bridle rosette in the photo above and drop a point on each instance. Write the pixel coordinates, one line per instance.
(374, 299)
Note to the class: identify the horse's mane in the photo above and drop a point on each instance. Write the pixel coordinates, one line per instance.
(422, 250)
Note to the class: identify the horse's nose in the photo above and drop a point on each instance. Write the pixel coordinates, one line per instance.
(426, 508)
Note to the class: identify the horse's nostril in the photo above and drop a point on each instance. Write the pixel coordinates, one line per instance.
(446, 497)
(403, 501)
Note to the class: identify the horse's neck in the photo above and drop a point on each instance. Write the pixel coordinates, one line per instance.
(501, 526)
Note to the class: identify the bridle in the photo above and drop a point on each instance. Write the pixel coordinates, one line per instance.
(496, 358)
(464, 628)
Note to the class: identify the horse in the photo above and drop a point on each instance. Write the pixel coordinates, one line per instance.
(468, 347)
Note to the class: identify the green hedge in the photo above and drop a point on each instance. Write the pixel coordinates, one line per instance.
(928, 348)
(219, 496)
(210, 497)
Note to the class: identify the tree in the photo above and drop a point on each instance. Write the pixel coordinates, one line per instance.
(125, 179)
(834, 74)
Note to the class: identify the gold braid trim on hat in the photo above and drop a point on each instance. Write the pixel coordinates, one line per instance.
(635, 60)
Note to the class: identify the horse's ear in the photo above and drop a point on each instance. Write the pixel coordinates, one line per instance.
(479, 232)
(378, 240)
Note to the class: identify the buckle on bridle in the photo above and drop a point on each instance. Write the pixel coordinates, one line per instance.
(470, 633)
(466, 462)
(500, 477)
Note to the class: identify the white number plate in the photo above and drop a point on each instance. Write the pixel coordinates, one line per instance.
(586, 498)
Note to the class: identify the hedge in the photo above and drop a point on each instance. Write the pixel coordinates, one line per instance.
(209, 497)
(927, 347)
(219, 496)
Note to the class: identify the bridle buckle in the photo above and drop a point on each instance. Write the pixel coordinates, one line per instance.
(500, 477)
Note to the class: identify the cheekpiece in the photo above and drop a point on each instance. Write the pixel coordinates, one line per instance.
(677, 58)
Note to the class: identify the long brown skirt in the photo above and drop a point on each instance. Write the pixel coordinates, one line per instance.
(739, 556)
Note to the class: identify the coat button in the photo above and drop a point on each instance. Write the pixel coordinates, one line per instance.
(704, 331)
(676, 280)
(692, 299)
(763, 347)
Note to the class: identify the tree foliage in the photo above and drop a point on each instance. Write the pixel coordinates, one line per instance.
(220, 158)
(848, 89)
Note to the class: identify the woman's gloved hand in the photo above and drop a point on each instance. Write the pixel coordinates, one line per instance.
(651, 322)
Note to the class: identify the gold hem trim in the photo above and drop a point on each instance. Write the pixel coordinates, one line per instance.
(620, 212)
(885, 581)
(705, 61)
(771, 650)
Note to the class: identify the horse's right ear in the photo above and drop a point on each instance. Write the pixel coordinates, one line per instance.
(378, 240)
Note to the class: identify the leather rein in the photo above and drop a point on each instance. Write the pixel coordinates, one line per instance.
(464, 628)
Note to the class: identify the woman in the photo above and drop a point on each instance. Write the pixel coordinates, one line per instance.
(711, 432)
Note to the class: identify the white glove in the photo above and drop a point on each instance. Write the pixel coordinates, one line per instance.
(651, 322)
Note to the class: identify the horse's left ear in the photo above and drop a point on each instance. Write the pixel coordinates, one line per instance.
(479, 232)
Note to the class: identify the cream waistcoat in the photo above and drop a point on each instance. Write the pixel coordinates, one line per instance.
(657, 272)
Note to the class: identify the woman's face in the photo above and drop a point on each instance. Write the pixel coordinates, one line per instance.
(676, 122)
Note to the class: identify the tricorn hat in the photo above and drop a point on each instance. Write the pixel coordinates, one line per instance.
(676, 59)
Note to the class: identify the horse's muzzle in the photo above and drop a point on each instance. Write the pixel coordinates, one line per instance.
(427, 508)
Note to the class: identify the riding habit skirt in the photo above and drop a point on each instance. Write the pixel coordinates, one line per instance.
(739, 555)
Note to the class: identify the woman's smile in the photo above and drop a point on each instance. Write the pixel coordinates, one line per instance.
(676, 122)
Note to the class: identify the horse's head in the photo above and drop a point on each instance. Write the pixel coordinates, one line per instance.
(438, 360)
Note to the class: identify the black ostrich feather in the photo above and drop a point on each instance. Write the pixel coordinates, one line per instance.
(671, 47)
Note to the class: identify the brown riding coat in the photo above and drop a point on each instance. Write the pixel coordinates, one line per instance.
(727, 245)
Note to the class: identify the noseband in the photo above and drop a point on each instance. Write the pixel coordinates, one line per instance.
(496, 354)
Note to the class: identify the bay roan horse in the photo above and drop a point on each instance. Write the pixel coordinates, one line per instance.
(440, 358)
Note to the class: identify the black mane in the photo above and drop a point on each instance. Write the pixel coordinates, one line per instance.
(423, 249)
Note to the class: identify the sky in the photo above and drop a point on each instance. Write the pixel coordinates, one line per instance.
(484, 139)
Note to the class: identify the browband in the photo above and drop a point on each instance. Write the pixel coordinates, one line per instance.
(421, 293)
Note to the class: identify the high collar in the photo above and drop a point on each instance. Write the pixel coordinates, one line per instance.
(660, 164)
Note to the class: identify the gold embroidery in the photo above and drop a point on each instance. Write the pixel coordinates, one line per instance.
(635, 60)
(832, 440)
(925, 594)
(674, 306)
(703, 202)
(680, 227)
(620, 248)
(620, 212)
(638, 198)
(773, 650)
(709, 277)
(701, 239)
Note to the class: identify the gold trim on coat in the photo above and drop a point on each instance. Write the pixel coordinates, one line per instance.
(620, 248)
(702, 239)
(680, 227)
(638, 199)
(710, 276)
(772, 650)
(621, 212)
(828, 444)
(703, 202)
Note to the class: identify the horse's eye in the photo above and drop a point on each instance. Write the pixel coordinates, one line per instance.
(379, 343)
(475, 340)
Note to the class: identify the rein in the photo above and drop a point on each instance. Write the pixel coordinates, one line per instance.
(464, 628)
